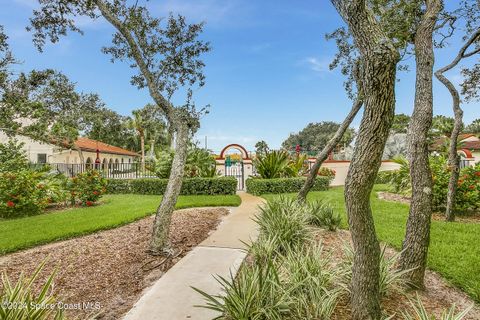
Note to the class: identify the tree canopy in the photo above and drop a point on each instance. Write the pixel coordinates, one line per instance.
(316, 135)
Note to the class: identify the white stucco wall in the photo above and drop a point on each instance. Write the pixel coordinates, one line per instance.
(56, 154)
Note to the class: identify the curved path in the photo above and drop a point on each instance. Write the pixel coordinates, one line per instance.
(172, 297)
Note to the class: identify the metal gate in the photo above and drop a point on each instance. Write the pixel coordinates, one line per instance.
(235, 169)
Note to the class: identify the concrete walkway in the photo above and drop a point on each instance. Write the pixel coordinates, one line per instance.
(172, 297)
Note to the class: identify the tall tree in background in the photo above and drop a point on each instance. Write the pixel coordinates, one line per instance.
(453, 157)
(315, 136)
(165, 52)
(400, 123)
(417, 236)
(473, 127)
(378, 61)
(137, 122)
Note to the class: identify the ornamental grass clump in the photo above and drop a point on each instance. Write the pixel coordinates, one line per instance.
(392, 279)
(309, 275)
(256, 293)
(420, 313)
(20, 300)
(323, 215)
(283, 220)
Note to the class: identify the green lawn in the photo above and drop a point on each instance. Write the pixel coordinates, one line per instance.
(454, 249)
(116, 210)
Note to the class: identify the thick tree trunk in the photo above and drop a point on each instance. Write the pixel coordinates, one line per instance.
(322, 156)
(453, 158)
(417, 238)
(378, 60)
(161, 226)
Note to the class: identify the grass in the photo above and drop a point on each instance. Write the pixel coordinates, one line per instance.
(454, 250)
(116, 210)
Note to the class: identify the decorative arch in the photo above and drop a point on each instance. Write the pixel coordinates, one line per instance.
(235, 146)
(465, 152)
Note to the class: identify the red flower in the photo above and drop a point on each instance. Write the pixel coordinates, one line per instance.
(10, 204)
(95, 192)
(89, 203)
(477, 173)
(471, 187)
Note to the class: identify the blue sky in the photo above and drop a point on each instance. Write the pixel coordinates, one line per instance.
(267, 75)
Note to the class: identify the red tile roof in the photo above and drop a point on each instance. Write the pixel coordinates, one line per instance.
(471, 145)
(86, 144)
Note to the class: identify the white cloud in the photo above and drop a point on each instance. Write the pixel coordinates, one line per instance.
(318, 65)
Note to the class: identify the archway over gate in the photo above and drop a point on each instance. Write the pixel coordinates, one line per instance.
(240, 169)
(237, 147)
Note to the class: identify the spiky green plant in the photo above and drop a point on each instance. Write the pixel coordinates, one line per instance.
(283, 220)
(420, 313)
(392, 279)
(20, 301)
(323, 215)
(272, 164)
(256, 293)
(309, 275)
(297, 166)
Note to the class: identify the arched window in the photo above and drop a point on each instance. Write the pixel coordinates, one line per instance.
(110, 163)
(104, 163)
(88, 163)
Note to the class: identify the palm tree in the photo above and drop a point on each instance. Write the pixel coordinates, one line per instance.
(138, 123)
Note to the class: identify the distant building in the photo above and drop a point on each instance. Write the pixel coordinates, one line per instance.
(39, 152)
(468, 147)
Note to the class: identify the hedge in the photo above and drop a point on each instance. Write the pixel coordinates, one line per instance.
(190, 186)
(257, 186)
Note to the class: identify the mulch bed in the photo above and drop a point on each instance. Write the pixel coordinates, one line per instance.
(112, 267)
(438, 295)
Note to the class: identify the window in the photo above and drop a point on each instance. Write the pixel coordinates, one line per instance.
(41, 158)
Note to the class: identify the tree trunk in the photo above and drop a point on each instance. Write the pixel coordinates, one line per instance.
(417, 238)
(161, 226)
(453, 158)
(378, 60)
(322, 156)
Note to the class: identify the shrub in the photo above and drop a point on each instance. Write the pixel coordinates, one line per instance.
(190, 186)
(323, 215)
(283, 220)
(87, 187)
(199, 163)
(24, 193)
(272, 164)
(21, 300)
(468, 189)
(326, 172)
(257, 186)
(12, 157)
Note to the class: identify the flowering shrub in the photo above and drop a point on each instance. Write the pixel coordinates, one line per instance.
(24, 193)
(87, 187)
(468, 192)
(468, 188)
(326, 172)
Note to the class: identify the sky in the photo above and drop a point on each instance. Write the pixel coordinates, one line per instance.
(267, 73)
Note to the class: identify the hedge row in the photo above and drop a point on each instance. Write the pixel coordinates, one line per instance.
(190, 186)
(257, 186)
